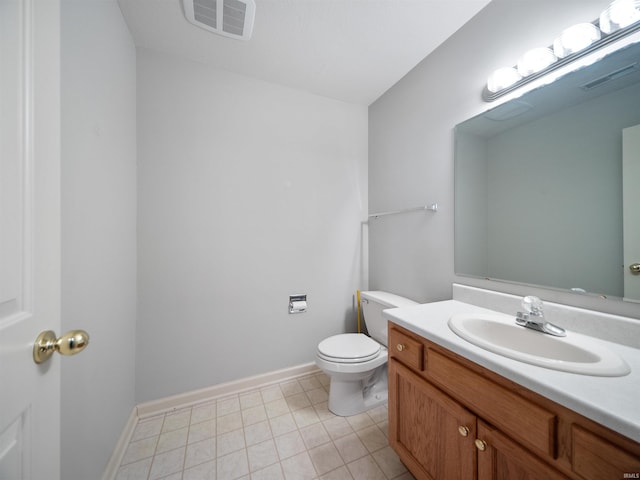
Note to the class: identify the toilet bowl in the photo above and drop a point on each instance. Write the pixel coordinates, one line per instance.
(357, 363)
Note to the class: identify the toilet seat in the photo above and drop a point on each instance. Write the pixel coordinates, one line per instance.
(348, 348)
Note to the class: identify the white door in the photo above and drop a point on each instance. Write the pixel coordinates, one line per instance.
(29, 236)
(631, 210)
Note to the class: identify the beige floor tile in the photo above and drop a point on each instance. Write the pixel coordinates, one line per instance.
(373, 438)
(322, 409)
(324, 380)
(172, 440)
(305, 416)
(271, 393)
(379, 414)
(317, 395)
(384, 426)
(290, 388)
(341, 473)
(202, 430)
(298, 401)
(273, 472)
(366, 468)
(173, 476)
(228, 405)
(230, 442)
(257, 433)
(149, 427)
(167, 463)
(262, 455)
(276, 408)
(250, 399)
(351, 448)
(229, 422)
(389, 462)
(337, 427)
(140, 449)
(254, 415)
(232, 466)
(314, 435)
(405, 476)
(325, 458)
(204, 412)
(200, 452)
(361, 421)
(176, 420)
(135, 471)
(282, 424)
(309, 383)
(289, 444)
(205, 471)
(298, 467)
(275, 432)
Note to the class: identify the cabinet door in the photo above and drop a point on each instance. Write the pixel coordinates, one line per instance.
(432, 434)
(503, 459)
(595, 458)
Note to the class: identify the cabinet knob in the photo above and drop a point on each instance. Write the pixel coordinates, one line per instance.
(464, 431)
(400, 347)
(481, 445)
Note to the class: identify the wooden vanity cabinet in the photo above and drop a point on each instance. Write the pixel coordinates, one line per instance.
(450, 418)
(427, 428)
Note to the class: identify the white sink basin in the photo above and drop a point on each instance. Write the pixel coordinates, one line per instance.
(574, 353)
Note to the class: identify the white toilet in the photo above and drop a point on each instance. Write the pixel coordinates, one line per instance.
(356, 363)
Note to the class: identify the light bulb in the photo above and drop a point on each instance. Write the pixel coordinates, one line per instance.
(502, 78)
(619, 14)
(575, 38)
(535, 60)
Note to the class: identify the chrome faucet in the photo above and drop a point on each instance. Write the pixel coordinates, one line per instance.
(534, 318)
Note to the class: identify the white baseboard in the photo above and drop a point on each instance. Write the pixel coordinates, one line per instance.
(121, 447)
(188, 399)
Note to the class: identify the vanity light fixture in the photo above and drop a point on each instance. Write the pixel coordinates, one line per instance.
(621, 18)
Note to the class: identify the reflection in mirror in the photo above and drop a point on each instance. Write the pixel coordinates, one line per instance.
(538, 182)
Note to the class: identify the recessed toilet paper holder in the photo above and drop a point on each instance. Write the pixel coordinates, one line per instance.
(297, 303)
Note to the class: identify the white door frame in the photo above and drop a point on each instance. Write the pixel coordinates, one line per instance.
(630, 210)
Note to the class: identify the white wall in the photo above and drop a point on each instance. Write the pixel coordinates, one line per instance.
(411, 145)
(248, 192)
(98, 231)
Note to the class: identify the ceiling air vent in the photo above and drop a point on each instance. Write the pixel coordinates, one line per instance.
(231, 18)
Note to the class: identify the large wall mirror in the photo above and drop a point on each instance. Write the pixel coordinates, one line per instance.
(543, 193)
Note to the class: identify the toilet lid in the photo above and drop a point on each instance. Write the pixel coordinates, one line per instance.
(349, 348)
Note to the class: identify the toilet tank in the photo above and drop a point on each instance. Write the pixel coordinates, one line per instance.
(373, 303)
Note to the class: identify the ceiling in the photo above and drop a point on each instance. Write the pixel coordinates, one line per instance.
(349, 50)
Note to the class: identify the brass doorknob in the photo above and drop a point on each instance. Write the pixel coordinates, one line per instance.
(635, 268)
(68, 344)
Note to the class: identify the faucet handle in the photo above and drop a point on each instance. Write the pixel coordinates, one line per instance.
(532, 305)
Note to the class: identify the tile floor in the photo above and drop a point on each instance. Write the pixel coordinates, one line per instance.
(281, 431)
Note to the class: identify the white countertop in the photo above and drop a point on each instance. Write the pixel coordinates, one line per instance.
(611, 401)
